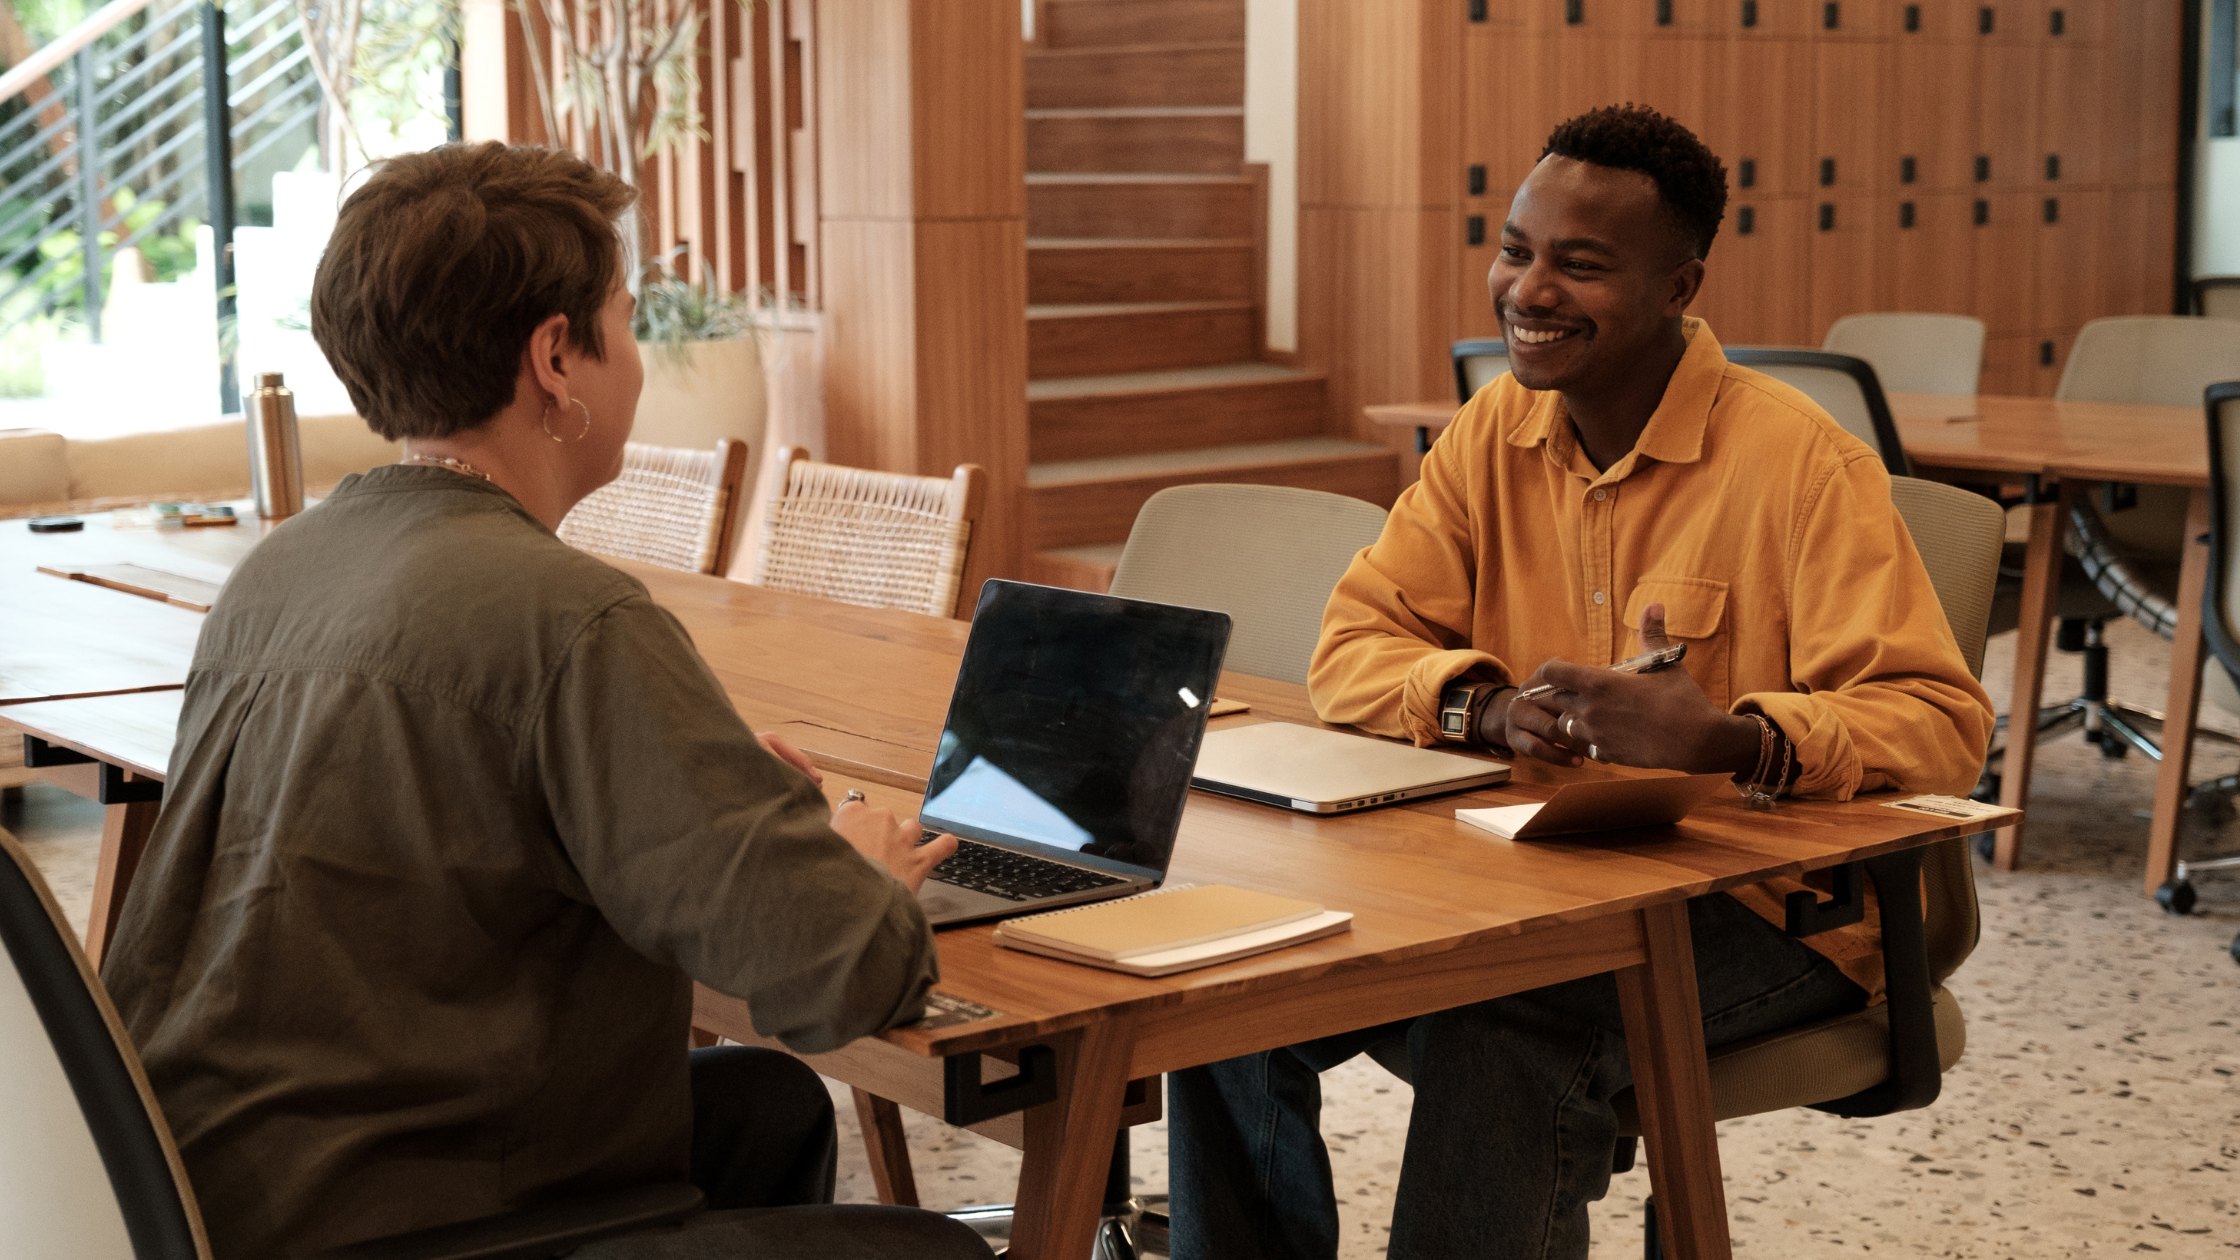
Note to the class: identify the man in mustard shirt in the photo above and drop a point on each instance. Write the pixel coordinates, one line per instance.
(1624, 487)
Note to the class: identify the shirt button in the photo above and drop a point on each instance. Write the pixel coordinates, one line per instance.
(1600, 495)
(1598, 597)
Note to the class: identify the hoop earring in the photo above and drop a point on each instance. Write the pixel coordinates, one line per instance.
(544, 421)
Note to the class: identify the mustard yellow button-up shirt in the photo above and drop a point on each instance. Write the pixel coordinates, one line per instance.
(1765, 530)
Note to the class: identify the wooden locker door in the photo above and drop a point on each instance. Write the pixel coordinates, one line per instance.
(1755, 288)
(2010, 365)
(1846, 266)
(1537, 17)
(2072, 117)
(1594, 70)
(2080, 21)
(2001, 261)
(2007, 114)
(1933, 103)
(2052, 355)
(1945, 19)
(1678, 80)
(2142, 235)
(2158, 61)
(1508, 109)
(1927, 254)
(1473, 309)
(1769, 131)
(1769, 19)
(2073, 252)
(1852, 149)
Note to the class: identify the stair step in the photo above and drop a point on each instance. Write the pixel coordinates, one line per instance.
(1142, 74)
(1136, 270)
(1077, 503)
(1086, 23)
(1079, 568)
(1136, 207)
(1183, 140)
(1091, 417)
(1103, 23)
(1089, 339)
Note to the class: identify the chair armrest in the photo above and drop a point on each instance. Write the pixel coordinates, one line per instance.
(534, 1233)
(1916, 1075)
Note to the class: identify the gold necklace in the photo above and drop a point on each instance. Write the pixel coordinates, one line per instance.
(445, 461)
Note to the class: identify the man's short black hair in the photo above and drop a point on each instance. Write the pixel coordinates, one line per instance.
(1690, 181)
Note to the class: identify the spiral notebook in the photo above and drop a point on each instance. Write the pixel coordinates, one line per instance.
(1172, 929)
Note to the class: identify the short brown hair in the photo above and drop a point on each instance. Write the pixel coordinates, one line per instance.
(444, 262)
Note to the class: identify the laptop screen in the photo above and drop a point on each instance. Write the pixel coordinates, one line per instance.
(1075, 723)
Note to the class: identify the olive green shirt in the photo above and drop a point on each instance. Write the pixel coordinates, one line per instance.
(454, 813)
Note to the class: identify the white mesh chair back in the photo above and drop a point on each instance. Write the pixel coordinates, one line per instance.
(2217, 297)
(2165, 360)
(87, 1167)
(673, 507)
(1959, 535)
(1914, 353)
(879, 539)
(1268, 556)
(1478, 362)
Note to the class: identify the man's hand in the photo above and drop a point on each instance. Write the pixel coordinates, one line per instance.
(787, 753)
(878, 835)
(1656, 721)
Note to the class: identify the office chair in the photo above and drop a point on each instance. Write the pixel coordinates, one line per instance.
(673, 506)
(2217, 297)
(1268, 556)
(1845, 387)
(2131, 549)
(1914, 353)
(1478, 361)
(879, 539)
(89, 1165)
(2220, 613)
(1889, 1057)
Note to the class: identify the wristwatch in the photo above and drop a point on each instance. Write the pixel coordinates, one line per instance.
(1460, 706)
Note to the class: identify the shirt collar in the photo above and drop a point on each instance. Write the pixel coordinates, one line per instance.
(1675, 431)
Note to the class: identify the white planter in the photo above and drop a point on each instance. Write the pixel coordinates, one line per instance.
(713, 391)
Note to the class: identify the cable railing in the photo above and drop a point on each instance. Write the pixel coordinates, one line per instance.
(116, 134)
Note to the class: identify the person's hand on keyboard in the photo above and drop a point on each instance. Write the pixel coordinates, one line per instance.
(877, 834)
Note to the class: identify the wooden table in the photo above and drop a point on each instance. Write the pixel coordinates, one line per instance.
(2048, 446)
(1444, 914)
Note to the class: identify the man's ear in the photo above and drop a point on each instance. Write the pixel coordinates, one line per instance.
(1685, 282)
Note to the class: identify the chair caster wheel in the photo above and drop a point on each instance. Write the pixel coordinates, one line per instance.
(2114, 749)
(1986, 844)
(2175, 896)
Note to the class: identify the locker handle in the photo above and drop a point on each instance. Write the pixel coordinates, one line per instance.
(1747, 173)
(1983, 212)
(1749, 14)
(1987, 20)
(1905, 214)
(2053, 209)
(1831, 15)
(1983, 168)
(1574, 12)
(1827, 172)
(1474, 228)
(1477, 10)
(2059, 21)
(2053, 166)
(1906, 170)
(1477, 181)
(1827, 217)
(1913, 19)
(1664, 12)
(1745, 221)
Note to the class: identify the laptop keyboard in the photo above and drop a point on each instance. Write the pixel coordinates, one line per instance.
(1014, 876)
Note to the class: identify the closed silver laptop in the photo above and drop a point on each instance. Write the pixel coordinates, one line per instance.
(1317, 771)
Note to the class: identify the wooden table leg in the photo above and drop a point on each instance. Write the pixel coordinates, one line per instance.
(1069, 1145)
(883, 1141)
(2041, 578)
(1672, 1081)
(2183, 706)
(124, 837)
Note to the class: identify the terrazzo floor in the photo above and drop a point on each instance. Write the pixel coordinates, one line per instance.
(2097, 1111)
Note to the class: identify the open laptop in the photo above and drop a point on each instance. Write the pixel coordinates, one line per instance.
(1065, 760)
(1317, 771)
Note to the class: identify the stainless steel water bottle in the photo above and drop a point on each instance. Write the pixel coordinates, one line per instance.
(275, 454)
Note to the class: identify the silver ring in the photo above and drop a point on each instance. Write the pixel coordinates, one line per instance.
(1593, 753)
(853, 795)
(1568, 732)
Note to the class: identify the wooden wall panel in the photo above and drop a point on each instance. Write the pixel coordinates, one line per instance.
(1767, 83)
(2006, 113)
(1852, 147)
(1508, 107)
(1750, 292)
(1930, 265)
(1845, 268)
(1933, 105)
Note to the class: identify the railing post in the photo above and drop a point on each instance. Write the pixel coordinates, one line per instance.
(217, 147)
(89, 191)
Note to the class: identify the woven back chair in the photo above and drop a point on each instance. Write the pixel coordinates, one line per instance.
(880, 539)
(676, 508)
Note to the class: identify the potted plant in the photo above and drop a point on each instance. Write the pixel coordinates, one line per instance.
(703, 358)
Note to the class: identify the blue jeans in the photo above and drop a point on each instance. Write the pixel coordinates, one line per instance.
(1512, 1134)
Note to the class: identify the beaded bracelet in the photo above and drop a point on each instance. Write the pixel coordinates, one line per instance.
(1759, 797)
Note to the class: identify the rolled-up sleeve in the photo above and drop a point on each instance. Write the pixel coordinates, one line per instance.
(1397, 629)
(706, 852)
(1882, 696)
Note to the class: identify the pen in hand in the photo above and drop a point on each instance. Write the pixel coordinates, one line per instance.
(1646, 663)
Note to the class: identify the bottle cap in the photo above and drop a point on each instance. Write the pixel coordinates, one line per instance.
(270, 380)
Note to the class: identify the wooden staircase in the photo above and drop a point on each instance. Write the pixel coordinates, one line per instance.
(1144, 278)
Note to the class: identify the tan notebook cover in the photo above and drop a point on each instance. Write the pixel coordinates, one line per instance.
(1601, 805)
(1153, 922)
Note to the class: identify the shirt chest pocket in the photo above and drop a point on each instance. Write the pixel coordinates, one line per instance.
(1695, 613)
